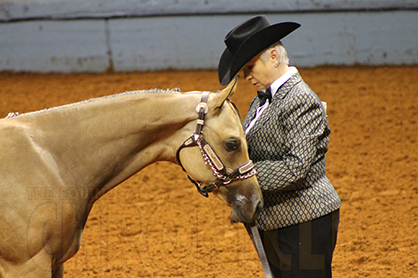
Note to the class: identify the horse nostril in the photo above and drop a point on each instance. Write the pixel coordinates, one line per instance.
(258, 208)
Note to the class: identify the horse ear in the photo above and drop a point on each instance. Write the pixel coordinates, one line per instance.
(223, 95)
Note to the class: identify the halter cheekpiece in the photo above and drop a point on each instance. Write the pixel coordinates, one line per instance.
(223, 174)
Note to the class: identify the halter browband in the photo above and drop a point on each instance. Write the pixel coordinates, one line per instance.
(224, 175)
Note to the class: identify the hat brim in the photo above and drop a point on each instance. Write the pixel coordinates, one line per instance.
(230, 65)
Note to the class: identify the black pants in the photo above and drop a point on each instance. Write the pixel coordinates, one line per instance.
(303, 250)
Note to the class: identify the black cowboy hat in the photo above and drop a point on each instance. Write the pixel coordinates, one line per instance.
(246, 41)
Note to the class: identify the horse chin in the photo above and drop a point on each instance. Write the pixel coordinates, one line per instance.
(236, 217)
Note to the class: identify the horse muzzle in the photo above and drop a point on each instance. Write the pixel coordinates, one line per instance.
(245, 199)
(246, 211)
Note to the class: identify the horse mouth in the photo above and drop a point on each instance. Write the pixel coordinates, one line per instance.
(246, 213)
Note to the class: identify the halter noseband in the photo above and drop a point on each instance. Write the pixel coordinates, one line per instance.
(224, 175)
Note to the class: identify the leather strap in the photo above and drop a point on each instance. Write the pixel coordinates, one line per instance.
(254, 234)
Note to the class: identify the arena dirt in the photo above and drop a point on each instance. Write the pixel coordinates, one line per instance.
(156, 224)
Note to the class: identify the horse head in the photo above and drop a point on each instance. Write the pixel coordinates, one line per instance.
(216, 156)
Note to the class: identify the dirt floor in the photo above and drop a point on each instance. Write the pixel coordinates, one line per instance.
(156, 224)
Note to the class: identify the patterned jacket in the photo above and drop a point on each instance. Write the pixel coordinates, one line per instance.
(287, 145)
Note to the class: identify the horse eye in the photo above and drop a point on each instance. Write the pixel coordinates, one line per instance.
(232, 144)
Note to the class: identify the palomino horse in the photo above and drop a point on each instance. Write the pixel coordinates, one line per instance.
(92, 146)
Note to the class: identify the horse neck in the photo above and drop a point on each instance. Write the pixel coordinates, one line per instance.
(101, 143)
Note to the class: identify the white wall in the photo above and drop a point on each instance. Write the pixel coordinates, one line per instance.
(128, 35)
(26, 9)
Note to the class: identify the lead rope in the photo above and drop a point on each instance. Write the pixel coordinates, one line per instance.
(254, 234)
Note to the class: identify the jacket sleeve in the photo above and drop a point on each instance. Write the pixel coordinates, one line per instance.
(305, 137)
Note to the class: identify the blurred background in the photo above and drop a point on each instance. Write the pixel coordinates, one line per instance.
(133, 35)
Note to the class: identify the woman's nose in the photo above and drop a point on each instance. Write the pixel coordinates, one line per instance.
(246, 73)
(247, 76)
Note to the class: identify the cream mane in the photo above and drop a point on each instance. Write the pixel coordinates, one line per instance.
(154, 90)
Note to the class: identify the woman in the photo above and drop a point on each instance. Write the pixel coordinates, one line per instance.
(287, 133)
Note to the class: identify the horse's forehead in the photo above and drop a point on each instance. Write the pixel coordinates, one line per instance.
(227, 120)
(234, 108)
(230, 108)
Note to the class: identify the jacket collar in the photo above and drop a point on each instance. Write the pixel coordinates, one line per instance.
(282, 79)
(280, 94)
(287, 86)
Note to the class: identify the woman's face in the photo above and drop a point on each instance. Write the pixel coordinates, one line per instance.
(258, 73)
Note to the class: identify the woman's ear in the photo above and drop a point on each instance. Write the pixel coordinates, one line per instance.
(274, 56)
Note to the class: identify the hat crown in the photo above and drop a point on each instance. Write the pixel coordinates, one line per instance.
(236, 37)
(247, 40)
